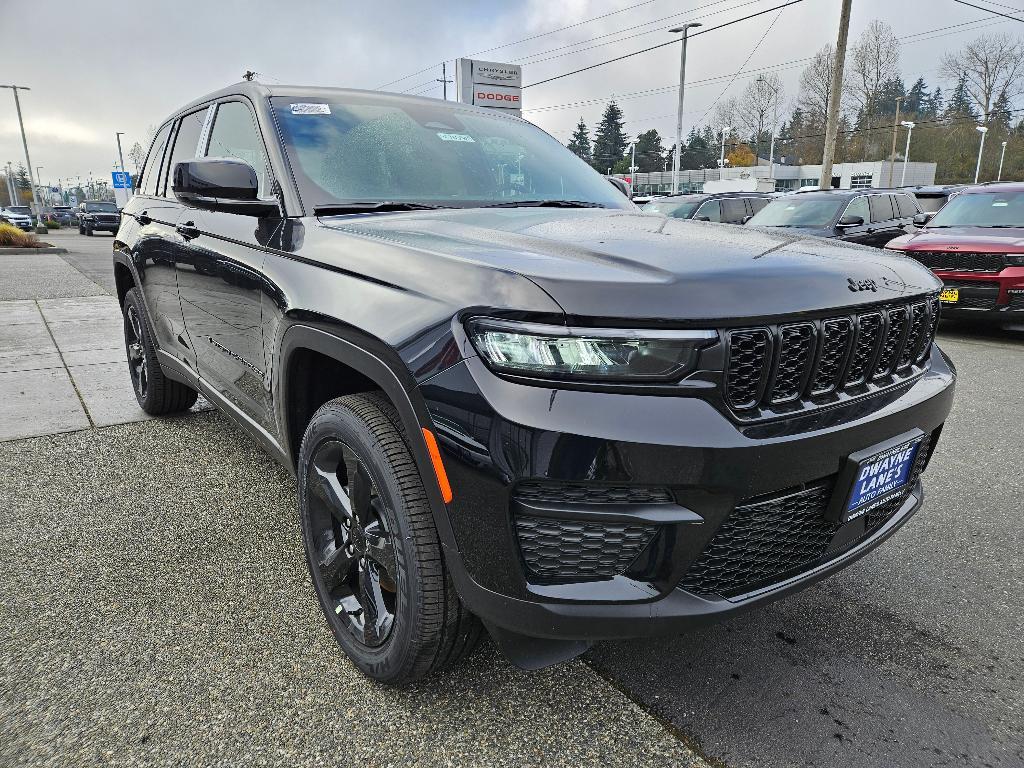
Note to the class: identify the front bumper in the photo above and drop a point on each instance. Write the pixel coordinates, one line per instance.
(990, 297)
(500, 438)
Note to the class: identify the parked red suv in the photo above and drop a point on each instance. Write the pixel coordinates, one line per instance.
(975, 243)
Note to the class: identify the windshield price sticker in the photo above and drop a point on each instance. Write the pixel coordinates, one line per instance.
(456, 137)
(311, 109)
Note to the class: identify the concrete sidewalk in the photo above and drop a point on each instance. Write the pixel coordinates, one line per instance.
(63, 367)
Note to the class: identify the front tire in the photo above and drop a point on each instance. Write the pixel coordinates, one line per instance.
(371, 546)
(157, 394)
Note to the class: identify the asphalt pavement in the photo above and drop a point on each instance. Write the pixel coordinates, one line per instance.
(156, 608)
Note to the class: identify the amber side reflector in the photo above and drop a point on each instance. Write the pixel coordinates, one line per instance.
(435, 459)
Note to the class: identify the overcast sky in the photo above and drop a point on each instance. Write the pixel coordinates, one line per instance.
(124, 65)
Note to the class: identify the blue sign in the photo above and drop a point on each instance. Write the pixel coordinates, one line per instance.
(122, 180)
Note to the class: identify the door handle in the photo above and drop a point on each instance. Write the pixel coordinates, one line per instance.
(188, 230)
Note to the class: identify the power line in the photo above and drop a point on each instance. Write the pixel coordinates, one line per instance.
(524, 60)
(745, 62)
(988, 10)
(772, 68)
(662, 45)
(571, 26)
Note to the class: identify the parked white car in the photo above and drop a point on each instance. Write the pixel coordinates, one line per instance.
(17, 216)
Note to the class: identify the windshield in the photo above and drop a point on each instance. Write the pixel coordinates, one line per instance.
(373, 148)
(101, 207)
(984, 209)
(677, 208)
(798, 212)
(22, 209)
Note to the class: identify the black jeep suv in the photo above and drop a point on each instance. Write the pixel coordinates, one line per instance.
(97, 216)
(509, 398)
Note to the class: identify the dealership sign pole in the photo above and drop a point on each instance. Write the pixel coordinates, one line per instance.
(490, 84)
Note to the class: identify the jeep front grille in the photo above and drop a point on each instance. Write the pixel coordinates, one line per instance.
(959, 261)
(812, 361)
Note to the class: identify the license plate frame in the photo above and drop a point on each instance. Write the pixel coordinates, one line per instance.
(886, 468)
(949, 295)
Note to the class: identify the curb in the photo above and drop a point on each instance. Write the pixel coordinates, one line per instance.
(24, 251)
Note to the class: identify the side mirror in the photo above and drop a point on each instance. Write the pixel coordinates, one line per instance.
(850, 221)
(620, 185)
(220, 184)
(921, 219)
(747, 218)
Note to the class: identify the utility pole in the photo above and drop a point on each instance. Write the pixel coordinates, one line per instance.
(834, 95)
(444, 80)
(120, 156)
(40, 229)
(679, 107)
(892, 152)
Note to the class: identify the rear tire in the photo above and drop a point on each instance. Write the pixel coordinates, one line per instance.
(157, 394)
(371, 546)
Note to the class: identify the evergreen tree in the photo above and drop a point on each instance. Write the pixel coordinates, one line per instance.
(1002, 111)
(579, 144)
(960, 105)
(650, 154)
(21, 179)
(609, 139)
(935, 104)
(917, 98)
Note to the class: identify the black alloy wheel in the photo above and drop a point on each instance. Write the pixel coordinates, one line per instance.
(137, 364)
(373, 552)
(355, 544)
(157, 394)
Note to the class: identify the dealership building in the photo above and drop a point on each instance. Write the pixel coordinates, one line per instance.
(790, 177)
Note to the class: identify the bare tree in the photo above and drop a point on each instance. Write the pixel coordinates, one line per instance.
(137, 154)
(815, 82)
(873, 61)
(992, 66)
(755, 112)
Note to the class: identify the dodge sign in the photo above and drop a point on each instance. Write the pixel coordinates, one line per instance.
(489, 84)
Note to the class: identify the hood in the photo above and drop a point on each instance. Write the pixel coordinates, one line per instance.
(984, 239)
(620, 264)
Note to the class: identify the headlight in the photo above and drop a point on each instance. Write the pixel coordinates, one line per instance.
(1015, 259)
(587, 354)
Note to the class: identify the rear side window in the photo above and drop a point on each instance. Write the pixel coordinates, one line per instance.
(733, 210)
(906, 205)
(186, 141)
(151, 170)
(858, 207)
(757, 203)
(711, 209)
(234, 135)
(881, 208)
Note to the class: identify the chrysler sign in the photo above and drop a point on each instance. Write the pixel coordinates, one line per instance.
(489, 84)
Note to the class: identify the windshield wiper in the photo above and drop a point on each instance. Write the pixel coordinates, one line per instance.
(545, 204)
(379, 206)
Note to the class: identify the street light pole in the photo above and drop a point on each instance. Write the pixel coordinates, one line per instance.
(775, 124)
(977, 169)
(39, 180)
(1001, 156)
(40, 229)
(632, 168)
(892, 152)
(906, 153)
(721, 161)
(679, 107)
(120, 156)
